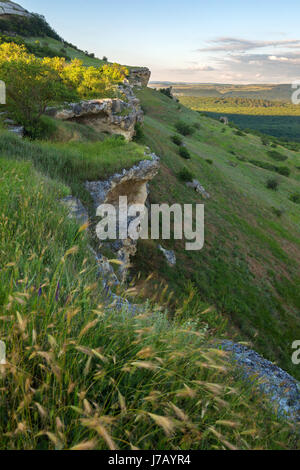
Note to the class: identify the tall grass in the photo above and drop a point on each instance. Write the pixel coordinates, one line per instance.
(74, 163)
(84, 375)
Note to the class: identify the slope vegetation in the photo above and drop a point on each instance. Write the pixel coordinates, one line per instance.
(249, 267)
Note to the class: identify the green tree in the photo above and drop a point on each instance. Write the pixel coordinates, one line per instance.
(31, 85)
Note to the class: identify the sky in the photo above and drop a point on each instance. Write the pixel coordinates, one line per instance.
(211, 41)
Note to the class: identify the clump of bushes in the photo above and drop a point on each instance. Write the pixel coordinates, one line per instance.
(273, 184)
(278, 212)
(282, 170)
(265, 140)
(32, 83)
(209, 161)
(184, 128)
(139, 133)
(185, 175)
(177, 140)
(295, 198)
(277, 156)
(239, 133)
(184, 153)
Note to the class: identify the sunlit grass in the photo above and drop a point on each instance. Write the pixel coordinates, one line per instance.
(83, 375)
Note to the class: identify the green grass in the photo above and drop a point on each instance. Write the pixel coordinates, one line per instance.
(241, 106)
(56, 46)
(82, 375)
(75, 162)
(249, 267)
(275, 118)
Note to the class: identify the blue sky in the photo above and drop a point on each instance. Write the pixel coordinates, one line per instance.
(228, 41)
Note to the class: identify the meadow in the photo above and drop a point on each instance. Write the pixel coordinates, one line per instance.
(248, 268)
(82, 374)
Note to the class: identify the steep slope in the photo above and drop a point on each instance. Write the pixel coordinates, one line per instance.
(249, 267)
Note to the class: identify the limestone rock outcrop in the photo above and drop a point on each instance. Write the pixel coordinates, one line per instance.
(76, 209)
(11, 8)
(133, 184)
(139, 76)
(113, 116)
(169, 255)
(279, 386)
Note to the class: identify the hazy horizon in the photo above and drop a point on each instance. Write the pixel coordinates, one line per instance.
(233, 42)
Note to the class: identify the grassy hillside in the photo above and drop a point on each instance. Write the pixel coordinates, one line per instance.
(75, 162)
(249, 267)
(83, 375)
(61, 48)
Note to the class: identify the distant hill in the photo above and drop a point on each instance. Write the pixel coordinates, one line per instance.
(280, 92)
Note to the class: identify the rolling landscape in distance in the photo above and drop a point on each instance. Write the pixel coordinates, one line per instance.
(123, 328)
(265, 108)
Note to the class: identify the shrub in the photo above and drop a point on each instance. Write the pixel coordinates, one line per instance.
(209, 161)
(184, 153)
(32, 83)
(264, 165)
(278, 212)
(277, 156)
(273, 184)
(167, 92)
(185, 175)
(184, 128)
(139, 133)
(176, 139)
(239, 133)
(295, 198)
(265, 140)
(283, 170)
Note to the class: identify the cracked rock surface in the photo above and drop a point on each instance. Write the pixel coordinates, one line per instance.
(281, 388)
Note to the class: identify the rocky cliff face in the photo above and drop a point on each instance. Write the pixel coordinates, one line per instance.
(139, 76)
(114, 116)
(133, 184)
(11, 8)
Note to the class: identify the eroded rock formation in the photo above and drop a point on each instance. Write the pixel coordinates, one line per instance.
(131, 183)
(279, 386)
(139, 76)
(113, 116)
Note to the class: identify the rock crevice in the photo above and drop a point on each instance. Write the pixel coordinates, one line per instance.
(133, 184)
(113, 116)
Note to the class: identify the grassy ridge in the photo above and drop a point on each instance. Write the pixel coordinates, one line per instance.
(56, 46)
(84, 376)
(249, 268)
(73, 163)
